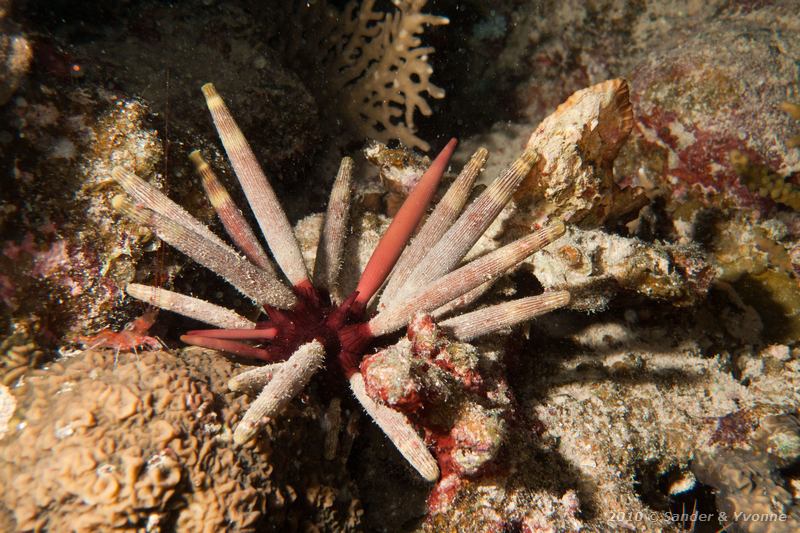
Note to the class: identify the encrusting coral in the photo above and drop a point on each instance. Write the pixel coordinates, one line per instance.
(306, 330)
(455, 390)
(17, 359)
(764, 182)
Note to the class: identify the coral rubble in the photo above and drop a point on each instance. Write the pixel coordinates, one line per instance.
(594, 266)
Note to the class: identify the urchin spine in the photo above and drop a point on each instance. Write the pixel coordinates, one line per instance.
(496, 317)
(241, 349)
(463, 300)
(232, 219)
(328, 262)
(402, 227)
(469, 227)
(250, 280)
(152, 198)
(464, 279)
(254, 380)
(286, 383)
(271, 218)
(398, 429)
(439, 221)
(195, 308)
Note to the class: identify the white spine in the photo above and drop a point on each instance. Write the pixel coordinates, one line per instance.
(399, 430)
(195, 308)
(286, 383)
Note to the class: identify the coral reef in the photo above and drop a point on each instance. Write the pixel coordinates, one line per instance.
(145, 443)
(676, 392)
(8, 404)
(710, 161)
(696, 101)
(253, 74)
(84, 109)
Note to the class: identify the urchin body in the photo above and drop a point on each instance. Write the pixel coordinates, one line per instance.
(306, 328)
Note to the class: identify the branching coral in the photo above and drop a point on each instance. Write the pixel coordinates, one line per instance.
(375, 67)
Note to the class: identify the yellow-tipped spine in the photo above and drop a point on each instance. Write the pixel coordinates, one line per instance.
(231, 217)
(269, 214)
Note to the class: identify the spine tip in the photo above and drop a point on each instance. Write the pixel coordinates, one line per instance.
(209, 91)
(197, 159)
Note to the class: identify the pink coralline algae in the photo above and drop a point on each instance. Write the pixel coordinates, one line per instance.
(67, 265)
(718, 91)
(456, 392)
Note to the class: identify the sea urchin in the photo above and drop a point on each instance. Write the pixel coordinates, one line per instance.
(307, 329)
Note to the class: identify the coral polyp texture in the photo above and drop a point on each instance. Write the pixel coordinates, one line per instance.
(311, 326)
(143, 443)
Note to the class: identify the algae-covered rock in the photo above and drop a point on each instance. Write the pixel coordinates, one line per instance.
(594, 266)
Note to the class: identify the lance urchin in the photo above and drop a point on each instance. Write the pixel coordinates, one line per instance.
(307, 328)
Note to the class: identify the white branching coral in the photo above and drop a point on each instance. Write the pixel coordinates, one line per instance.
(375, 69)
